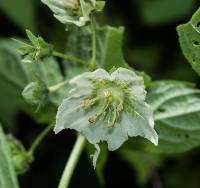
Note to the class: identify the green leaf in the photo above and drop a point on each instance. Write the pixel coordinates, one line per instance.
(144, 163)
(11, 69)
(47, 73)
(12, 80)
(189, 37)
(109, 50)
(109, 47)
(48, 70)
(108, 44)
(8, 178)
(79, 43)
(176, 107)
(158, 12)
(16, 75)
(22, 12)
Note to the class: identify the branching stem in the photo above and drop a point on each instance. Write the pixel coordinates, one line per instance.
(58, 86)
(39, 139)
(69, 57)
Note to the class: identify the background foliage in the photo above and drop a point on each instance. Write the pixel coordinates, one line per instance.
(151, 45)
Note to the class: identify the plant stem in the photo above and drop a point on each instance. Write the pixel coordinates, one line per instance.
(72, 162)
(56, 87)
(69, 57)
(93, 61)
(39, 139)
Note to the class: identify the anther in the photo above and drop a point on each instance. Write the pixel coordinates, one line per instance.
(102, 112)
(112, 120)
(92, 120)
(110, 125)
(107, 94)
(120, 107)
(87, 103)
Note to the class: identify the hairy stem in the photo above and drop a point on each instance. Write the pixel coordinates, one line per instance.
(56, 87)
(69, 57)
(72, 162)
(39, 139)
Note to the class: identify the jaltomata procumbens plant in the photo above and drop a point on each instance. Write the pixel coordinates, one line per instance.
(102, 98)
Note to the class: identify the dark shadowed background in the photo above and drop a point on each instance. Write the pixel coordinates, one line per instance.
(150, 44)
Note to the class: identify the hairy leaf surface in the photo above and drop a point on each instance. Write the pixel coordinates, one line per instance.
(12, 80)
(189, 37)
(109, 47)
(8, 177)
(176, 107)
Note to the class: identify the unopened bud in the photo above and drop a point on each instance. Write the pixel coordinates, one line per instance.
(35, 93)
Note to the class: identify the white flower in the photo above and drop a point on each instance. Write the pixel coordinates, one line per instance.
(107, 107)
(73, 11)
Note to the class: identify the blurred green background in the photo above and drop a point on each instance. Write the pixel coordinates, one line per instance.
(150, 44)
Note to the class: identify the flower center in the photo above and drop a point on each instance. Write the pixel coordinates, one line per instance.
(109, 97)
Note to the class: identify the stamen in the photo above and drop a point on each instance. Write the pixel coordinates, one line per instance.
(87, 103)
(112, 120)
(120, 107)
(112, 98)
(92, 120)
(107, 94)
(101, 112)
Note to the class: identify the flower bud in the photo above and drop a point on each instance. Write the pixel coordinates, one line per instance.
(20, 158)
(35, 49)
(35, 93)
(74, 11)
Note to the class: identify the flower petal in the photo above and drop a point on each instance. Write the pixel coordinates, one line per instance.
(123, 74)
(141, 123)
(71, 12)
(116, 137)
(83, 84)
(95, 155)
(137, 87)
(69, 117)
